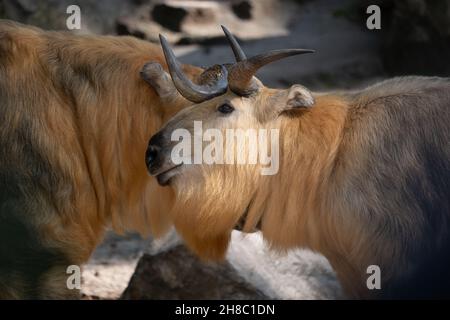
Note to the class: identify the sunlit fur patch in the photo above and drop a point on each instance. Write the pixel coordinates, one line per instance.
(209, 202)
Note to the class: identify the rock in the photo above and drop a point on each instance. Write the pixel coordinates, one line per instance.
(199, 21)
(178, 274)
(170, 17)
(347, 55)
(299, 274)
(96, 16)
(242, 9)
(111, 266)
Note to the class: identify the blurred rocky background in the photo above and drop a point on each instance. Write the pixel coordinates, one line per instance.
(414, 39)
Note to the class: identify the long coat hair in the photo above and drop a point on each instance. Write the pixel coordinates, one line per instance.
(75, 119)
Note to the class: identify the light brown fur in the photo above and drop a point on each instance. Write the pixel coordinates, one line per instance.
(76, 117)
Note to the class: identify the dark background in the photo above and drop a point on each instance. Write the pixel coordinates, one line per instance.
(414, 36)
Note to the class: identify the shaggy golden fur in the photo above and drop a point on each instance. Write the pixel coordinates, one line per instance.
(76, 117)
(364, 179)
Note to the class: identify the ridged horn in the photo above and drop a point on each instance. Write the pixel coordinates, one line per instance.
(240, 74)
(191, 91)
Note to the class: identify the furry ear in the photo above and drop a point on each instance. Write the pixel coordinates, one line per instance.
(298, 97)
(154, 74)
(294, 98)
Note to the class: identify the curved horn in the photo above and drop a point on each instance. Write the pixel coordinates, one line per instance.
(188, 89)
(240, 74)
(239, 54)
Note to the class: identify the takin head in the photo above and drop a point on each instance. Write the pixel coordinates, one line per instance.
(212, 196)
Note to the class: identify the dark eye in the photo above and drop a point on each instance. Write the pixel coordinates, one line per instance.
(225, 108)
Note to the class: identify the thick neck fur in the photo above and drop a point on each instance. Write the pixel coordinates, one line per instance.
(298, 206)
(309, 143)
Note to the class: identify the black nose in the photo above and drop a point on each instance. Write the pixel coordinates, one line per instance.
(152, 155)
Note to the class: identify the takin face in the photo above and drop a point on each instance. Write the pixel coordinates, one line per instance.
(363, 176)
(224, 185)
(76, 114)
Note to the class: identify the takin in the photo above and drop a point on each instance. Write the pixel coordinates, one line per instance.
(76, 114)
(364, 176)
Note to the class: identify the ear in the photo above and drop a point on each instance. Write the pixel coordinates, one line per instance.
(294, 98)
(154, 74)
(298, 97)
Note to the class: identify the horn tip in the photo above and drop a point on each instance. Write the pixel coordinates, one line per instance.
(162, 38)
(305, 50)
(302, 51)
